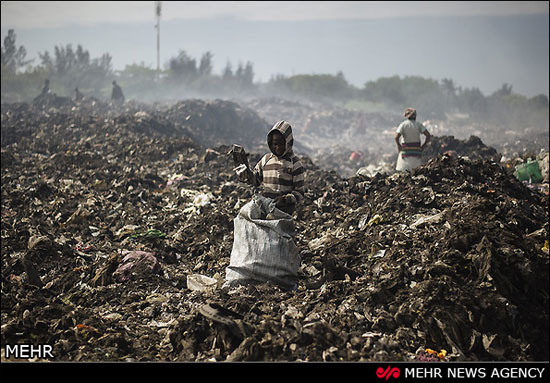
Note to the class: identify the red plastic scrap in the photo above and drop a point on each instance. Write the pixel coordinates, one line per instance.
(82, 247)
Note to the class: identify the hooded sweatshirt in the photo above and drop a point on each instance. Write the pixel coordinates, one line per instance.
(280, 175)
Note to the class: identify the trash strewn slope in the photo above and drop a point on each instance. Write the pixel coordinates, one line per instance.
(117, 227)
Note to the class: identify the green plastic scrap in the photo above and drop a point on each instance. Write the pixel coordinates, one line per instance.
(529, 171)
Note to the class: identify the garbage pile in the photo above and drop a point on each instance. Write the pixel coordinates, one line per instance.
(332, 134)
(117, 229)
(51, 100)
(206, 122)
(510, 142)
(329, 135)
(472, 148)
(218, 122)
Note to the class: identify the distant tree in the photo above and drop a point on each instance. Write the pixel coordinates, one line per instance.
(450, 92)
(46, 61)
(505, 90)
(244, 75)
(319, 87)
(69, 68)
(425, 95)
(12, 57)
(227, 72)
(64, 59)
(82, 58)
(183, 67)
(248, 75)
(205, 66)
(239, 71)
(103, 64)
(448, 87)
(140, 82)
(473, 102)
(538, 102)
(385, 89)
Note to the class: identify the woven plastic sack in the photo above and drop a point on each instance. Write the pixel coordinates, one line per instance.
(529, 171)
(263, 246)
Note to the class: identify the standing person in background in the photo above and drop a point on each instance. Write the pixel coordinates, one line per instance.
(78, 96)
(410, 151)
(117, 95)
(46, 96)
(46, 88)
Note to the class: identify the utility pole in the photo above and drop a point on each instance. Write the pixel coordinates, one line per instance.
(157, 12)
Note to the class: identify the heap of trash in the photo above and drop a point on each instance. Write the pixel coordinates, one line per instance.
(117, 228)
(346, 140)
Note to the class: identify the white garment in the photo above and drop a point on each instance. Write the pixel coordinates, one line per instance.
(410, 131)
(407, 163)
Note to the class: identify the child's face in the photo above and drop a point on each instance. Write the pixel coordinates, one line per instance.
(278, 143)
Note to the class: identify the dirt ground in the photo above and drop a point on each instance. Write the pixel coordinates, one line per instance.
(117, 227)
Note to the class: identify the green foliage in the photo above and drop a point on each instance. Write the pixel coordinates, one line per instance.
(139, 79)
(385, 89)
(423, 94)
(66, 69)
(21, 87)
(510, 109)
(472, 102)
(205, 66)
(185, 78)
(367, 106)
(239, 81)
(319, 87)
(182, 68)
(12, 58)
(69, 69)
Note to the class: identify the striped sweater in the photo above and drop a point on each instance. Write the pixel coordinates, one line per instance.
(280, 175)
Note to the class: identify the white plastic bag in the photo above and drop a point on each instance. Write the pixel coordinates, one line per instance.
(263, 246)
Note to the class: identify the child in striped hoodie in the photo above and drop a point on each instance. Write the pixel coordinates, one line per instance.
(280, 173)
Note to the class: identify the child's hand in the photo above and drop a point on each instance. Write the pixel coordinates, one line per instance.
(285, 200)
(242, 172)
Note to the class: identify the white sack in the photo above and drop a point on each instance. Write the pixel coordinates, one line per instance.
(263, 246)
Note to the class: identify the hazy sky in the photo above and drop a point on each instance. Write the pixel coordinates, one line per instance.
(482, 44)
(54, 14)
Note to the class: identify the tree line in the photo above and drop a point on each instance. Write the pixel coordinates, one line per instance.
(185, 76)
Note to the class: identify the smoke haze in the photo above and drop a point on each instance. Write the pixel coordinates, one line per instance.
(509, 46)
